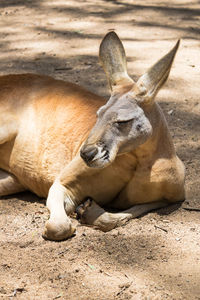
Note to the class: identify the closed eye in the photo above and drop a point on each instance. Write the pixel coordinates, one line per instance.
(121, 122)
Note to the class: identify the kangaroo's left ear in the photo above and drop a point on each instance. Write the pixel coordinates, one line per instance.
(150, 83)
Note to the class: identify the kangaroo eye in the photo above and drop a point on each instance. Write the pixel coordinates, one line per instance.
(123, 122)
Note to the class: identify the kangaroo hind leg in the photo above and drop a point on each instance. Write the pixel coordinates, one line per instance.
(8, 128)
(9, 184)
(92, 214)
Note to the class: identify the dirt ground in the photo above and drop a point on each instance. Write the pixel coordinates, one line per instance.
(158, 255)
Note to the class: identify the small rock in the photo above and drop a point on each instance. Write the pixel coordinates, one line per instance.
(77, 270)
(170, 112)
(192, 229)
(2, 290)
(149, 257)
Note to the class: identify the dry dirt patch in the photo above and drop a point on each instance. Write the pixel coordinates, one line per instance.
(156, 256)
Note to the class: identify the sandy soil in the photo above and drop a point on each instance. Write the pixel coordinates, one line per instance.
(153, 257)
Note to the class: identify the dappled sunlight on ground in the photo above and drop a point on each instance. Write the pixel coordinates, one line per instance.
(156, 256)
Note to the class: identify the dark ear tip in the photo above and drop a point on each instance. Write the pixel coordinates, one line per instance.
(174, 49)
(177, 44)
(110, 35)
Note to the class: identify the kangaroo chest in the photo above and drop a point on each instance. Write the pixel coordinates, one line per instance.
(104, 185)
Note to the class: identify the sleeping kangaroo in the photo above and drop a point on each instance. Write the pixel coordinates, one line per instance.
(69, 145)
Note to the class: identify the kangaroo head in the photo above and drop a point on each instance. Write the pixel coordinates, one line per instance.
(122, 123)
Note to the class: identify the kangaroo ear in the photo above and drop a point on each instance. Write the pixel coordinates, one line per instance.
(113, 59)
(150, 83)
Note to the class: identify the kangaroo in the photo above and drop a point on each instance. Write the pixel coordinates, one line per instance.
(69, 145)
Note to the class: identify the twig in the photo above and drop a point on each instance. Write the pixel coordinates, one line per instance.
(120, 292)
(163, 229)
(59, 296)
(107, 274)
(62, 252)
(191, 208)
(90, 266)
(17, 290)
(101, 271)
(124, 287)
(63, 69)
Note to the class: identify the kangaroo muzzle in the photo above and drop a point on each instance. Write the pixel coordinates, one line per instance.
(88, 153)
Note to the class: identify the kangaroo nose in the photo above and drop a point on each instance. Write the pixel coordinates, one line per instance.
(88, 153)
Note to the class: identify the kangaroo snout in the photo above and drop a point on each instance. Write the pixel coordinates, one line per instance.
(88, 153)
